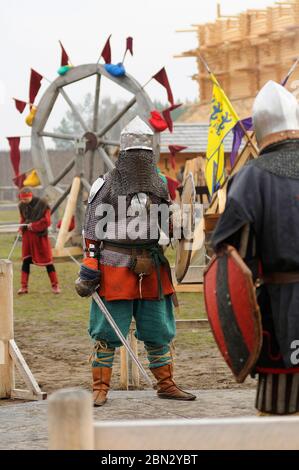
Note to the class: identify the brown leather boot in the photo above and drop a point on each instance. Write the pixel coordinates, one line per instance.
(166, 385)
(101, 383)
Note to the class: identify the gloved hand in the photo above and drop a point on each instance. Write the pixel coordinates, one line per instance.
(88, 281)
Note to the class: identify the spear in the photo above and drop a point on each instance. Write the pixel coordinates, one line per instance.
(290, 72)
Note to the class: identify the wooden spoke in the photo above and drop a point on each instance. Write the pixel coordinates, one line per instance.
(61, 199)
(96, 104)
(115, 143)
(66, 169)
(56, 135)
(105, 157)
(73, 108)
(117, 117)
(86, 184)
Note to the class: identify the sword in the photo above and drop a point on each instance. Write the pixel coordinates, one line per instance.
(116, 329)
(13, 246)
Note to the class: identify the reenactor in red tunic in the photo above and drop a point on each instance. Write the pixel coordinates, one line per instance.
(36, 248)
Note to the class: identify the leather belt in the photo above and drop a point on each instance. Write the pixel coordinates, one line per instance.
(291, 277)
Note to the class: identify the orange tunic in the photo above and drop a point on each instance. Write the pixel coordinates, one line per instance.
(121, 283)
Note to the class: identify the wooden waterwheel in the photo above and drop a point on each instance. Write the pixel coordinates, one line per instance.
(90, 143)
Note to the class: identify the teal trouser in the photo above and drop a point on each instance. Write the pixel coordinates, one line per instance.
(155, 325)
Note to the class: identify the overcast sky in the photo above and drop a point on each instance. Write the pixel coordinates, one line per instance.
(30, 31)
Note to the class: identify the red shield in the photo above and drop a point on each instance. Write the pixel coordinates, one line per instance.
(233, 311)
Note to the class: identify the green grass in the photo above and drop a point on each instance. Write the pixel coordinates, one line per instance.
(43, 307)
(9, 216)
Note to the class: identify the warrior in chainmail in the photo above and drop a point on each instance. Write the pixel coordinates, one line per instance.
(265, 195)
(126, 264)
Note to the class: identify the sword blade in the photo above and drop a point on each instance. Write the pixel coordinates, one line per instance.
(121, 337)
(13, 246)
(115, 327)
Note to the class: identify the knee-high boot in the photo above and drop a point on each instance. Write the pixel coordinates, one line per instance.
(101, 383)
(102, 363)
(166, 387)
(54, 282)
(24, 283)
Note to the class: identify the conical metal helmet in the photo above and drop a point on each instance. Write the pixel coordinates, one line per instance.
(275, 115)
(136, 135)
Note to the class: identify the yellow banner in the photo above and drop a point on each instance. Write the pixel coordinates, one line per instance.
(223, 119)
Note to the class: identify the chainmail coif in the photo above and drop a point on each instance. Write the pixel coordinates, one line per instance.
(281, 159)
(135, 171)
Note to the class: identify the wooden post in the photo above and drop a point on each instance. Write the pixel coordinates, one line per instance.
(133, 369)
(6, 328)
(129, 372)
(68, 214)
(70, 420)
(124, 377)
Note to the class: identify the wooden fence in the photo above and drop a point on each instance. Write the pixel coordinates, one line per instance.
(71, 427)
(10, 355)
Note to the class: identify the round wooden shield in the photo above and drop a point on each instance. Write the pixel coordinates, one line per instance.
(233, 312)
(184, 246)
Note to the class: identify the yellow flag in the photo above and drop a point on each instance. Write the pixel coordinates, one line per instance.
(223, 119)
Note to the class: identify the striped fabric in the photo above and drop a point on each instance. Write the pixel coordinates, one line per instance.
(278, 393)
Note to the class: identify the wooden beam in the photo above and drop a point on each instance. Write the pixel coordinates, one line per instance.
(19, 394)
(195, 324)
(245, 433)
(24, 370)
(188, 288)
(124, 376)
(68, 214)
(7, 381)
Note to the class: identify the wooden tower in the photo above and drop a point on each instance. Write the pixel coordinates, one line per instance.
(244, 52)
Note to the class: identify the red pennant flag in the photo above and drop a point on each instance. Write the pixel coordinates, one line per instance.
(172, 186)
(162, 78)
(106, 52)
(174, 149)
(167, 115)
(20, 105)
(35, 84)
(19, 180)
(15, 157)
(129, 45)
(64, 57)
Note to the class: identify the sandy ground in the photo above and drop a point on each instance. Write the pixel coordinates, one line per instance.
(58, 360)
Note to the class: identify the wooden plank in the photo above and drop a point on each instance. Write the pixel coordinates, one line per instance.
(63, 254)
(6, 328)
(124, 376)
(134, 378)
(23, 368)
(19, 394)
(68, 214)
(195, 324)
(201, 434)
(188, 288)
